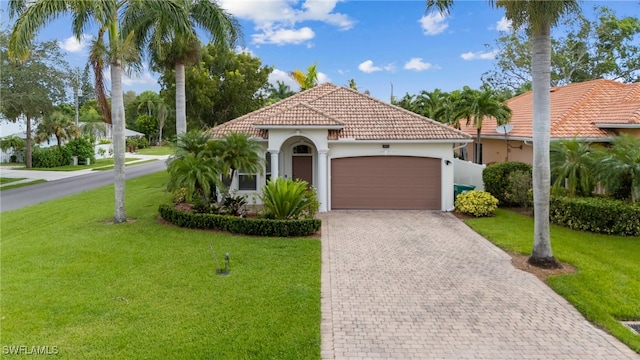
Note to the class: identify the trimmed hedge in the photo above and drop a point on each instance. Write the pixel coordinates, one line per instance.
(238, 225)
(599, 215)
(496, 180)
(50, 157)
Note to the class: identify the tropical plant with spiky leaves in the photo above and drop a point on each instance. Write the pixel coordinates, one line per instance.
(308, 79)
(572, 166)
(286, 199)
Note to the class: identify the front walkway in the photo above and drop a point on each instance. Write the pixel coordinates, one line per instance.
(422, 285)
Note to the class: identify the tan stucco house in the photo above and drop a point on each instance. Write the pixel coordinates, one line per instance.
(359, 152)
(593, 111)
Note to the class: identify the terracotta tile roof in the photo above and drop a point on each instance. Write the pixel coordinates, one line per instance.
(576, 110)
(300, 115)
(362, 117)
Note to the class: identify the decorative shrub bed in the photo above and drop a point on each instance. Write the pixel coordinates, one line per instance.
(597, 215)
(238, 225)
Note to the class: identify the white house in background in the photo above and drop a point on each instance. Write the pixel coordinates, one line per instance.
(359, 152)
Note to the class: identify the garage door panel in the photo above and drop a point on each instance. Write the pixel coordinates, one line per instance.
(385, 182)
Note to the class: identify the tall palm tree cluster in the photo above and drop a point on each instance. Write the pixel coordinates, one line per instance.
(468, 105)
(579, 167)
(164, 31)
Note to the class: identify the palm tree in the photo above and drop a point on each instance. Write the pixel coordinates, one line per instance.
(485, 103)
(12, 142)
(538, 17)
(59, 125)
(193, 142)
(432, 104)
(571, 165)
(306, 80)
(197, 173)
(618, 168)
(104, 13)
(170, 39)
(279, 92)
(162, 112)
(237, 151)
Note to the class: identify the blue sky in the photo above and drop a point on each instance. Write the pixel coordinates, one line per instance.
(377, 43)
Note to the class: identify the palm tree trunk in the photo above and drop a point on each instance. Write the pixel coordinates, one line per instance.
(542, 255)
(117, 111)
(477, 152)
(27, 154)
(181, 107)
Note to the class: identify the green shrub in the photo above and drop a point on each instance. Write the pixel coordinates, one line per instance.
(142, 142)
(521, 191)
(496, 180)
(594, 214)
(238, 225)
(83, 148)
(476, 203)
(50, 157)
(287, 199)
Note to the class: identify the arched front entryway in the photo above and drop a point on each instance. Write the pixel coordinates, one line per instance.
(299, 157)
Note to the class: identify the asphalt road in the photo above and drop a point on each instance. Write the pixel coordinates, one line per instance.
(17, 198)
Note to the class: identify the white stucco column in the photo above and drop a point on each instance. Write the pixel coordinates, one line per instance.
(274, 163)
(322, 179)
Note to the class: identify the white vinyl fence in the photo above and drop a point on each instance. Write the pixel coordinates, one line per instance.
(468, 173)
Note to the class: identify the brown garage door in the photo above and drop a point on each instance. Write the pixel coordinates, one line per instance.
(385, 182)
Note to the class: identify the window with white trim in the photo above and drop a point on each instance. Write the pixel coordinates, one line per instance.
(246, 181)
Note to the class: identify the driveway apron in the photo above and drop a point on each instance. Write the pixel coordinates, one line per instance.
(422, 285)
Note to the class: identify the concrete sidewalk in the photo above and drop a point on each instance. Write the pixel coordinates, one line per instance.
(32, 175)
(422, 285)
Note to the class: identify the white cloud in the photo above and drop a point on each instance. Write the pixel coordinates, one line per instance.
(72, 45)
(275, 20)
(240, 50)
(417, 64)
(434, 23)
(503, 24)
(144, 78)
(490, 55)
(284, 36)
(368, 67)
(323, 78)
(390, 67)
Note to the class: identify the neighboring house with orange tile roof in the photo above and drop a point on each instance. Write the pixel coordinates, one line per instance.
(359, 152)
(593, 111)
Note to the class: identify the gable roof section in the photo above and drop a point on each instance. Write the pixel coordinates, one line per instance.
(577, 110)
(347, 113)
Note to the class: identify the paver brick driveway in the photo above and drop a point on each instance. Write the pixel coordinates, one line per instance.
(422, 285)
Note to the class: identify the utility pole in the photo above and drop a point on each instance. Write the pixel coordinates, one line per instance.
(78, 93)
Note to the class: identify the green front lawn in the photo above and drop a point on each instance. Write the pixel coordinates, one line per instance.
(4, 180)
(147, 290)
(156, 150)
(606, 287)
